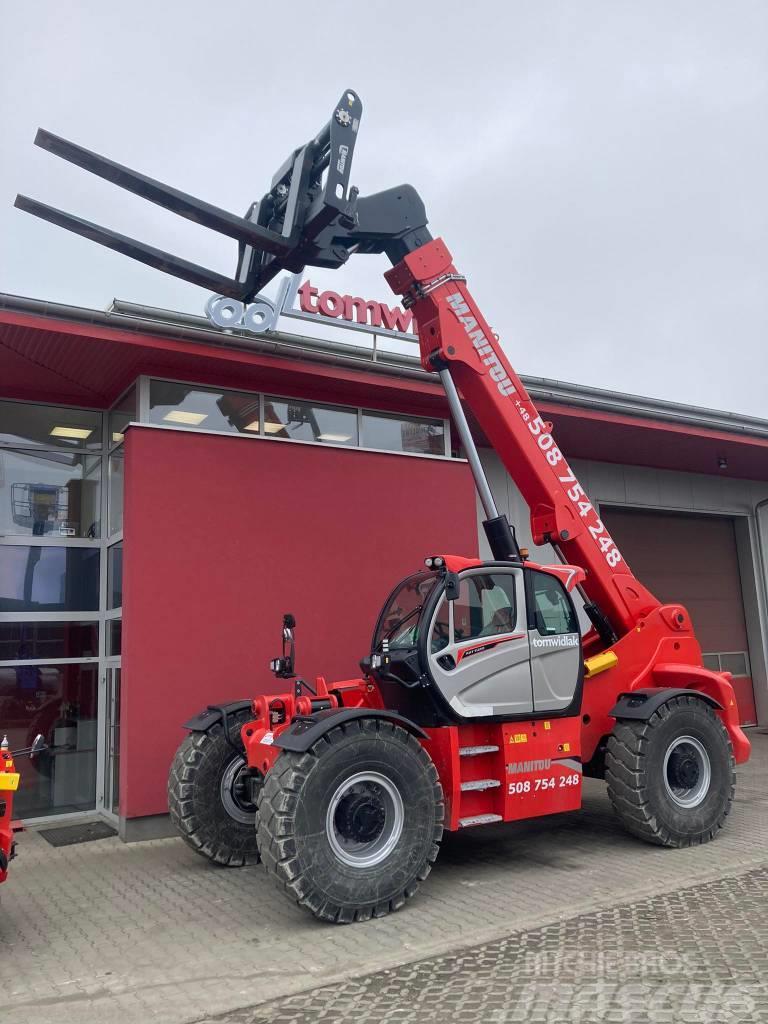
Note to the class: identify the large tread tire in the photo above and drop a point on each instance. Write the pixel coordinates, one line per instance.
(293, 808)
(635, 774)
(195, 800)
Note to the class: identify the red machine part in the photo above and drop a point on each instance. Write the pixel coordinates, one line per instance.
(454, 333)
(9, 783)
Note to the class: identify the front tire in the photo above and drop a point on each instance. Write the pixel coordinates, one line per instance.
(208, 800)
(350, 828)
(671, 779)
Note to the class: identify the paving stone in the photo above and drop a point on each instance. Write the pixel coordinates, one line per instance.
(699, 955)
(106, 932)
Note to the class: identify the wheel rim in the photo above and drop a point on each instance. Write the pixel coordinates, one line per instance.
(234, 792)
(365, 819)
(687, 771)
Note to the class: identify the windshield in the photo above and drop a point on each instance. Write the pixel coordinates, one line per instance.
(398, 623)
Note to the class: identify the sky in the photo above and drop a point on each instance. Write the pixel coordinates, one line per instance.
(598, 168)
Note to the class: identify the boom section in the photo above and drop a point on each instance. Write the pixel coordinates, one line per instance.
(454, 335)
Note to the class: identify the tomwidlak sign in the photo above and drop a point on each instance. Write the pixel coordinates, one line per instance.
(349, 311)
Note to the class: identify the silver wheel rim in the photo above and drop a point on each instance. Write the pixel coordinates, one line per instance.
(687, 771)
(236, 807)
(365, 819)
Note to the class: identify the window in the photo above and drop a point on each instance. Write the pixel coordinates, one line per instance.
(116, 485)
(184, 405)
(48, 426)
(397, 434)
(486, 606)
(122, 414)
(735, 662)
(398, 623)
(45, 494)
(304, 421)
(49, 578)
(114, 637)
(115, 576)
(441, 631)
(60, 702)
(23, 641)
(552, 611)
(235, 412)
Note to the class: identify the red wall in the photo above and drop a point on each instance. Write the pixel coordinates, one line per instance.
(222, 535)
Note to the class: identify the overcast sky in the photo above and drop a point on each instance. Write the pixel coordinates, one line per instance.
(598, 169)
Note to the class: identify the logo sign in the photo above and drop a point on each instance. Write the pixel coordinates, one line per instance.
(348, 311)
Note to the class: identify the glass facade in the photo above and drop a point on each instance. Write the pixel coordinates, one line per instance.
(400, 434)
(53, 464)
(192, 407)
(48, 578)
(305, 421)
(123, 413)
(59, 702)
(49, 494)
(115, 497)
(46, 641)
(115, 576)
(49, 426)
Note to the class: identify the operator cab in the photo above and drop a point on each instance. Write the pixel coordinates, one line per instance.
(489, 641)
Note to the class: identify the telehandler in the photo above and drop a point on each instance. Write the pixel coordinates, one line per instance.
(480, 700)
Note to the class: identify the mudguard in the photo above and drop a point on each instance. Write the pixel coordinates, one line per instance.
(303, 732)
(214, 713)
(641, 704)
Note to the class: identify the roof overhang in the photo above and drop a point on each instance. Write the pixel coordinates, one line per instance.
(69, 355)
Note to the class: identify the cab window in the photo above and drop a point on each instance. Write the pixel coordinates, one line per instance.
(486, 606)
(441, 631)
(552, 611)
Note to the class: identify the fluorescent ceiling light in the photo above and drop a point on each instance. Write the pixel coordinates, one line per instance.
(274, 428)
(338, 438)
(73, 433)
(190, 419)
(117, 436)
(252, 426)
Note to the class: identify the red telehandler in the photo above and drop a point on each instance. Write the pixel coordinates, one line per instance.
(480, 700)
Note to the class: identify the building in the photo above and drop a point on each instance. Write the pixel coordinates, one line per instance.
(168, 489)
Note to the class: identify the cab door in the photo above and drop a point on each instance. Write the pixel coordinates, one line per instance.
(555, 642)
(479, 653)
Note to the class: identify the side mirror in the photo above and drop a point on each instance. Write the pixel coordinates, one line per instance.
(282, 667)
(451, 586)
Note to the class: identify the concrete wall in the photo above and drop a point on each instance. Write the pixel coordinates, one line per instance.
(642, 487)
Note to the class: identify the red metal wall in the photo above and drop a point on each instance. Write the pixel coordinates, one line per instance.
(222, 535)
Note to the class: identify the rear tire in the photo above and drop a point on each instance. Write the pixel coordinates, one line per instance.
(671, 779)
(207, 800)
(350, 828)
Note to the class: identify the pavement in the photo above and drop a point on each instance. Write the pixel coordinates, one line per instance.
(561, 919)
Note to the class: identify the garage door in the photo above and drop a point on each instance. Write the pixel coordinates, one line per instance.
(693, 560)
